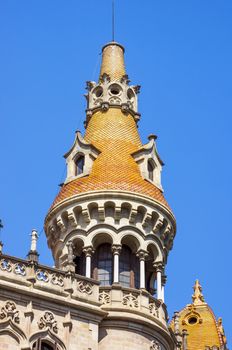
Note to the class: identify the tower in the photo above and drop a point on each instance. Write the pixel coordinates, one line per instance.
(110, 231)
(110, 222)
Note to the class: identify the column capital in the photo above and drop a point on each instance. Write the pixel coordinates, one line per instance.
(89, 251)
(116, 249)
(159, 266)
(142, 254)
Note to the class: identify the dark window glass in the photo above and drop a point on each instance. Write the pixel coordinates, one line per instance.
(79, 262)
(80, 165)
(104, 264)
(45, 346)
(128, 268)
(150, 169)
(41, 345)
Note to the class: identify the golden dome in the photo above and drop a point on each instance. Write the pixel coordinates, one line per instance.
(199, 321)
(116, 136)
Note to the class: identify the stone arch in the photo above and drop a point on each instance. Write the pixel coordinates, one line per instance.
(132, 239)
(12, 333)
(100, 237)
(154, 251)
(48, 336)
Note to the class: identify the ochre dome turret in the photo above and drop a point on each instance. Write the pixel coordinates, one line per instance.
(111, 127)
(198, 322)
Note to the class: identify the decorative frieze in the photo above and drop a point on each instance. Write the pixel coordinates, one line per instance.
(153, 309)
(130, 300)
(104, 298)
(48, 321)
(85, 287)
(5, 265)
(10, 311)
(57, 279)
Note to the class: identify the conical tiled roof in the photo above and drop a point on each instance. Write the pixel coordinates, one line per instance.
(116, 136)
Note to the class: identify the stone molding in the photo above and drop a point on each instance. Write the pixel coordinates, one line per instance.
(87, 214)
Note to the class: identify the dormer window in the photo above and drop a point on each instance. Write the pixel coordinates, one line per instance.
(150, 169)
(80, 162)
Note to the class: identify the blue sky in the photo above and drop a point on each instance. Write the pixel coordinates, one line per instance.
(180, 52)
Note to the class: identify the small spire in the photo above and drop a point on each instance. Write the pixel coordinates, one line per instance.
(197, 296)
(33, 254)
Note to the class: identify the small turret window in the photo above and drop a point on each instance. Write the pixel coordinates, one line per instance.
(150, 169)
(115, 89)
(80, 165)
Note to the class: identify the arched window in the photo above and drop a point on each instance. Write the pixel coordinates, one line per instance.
(103, 264)
(150, 169)
(128, 268)
(80, 162)
(43, 345)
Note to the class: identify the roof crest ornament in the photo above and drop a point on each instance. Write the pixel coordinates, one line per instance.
(197, 296)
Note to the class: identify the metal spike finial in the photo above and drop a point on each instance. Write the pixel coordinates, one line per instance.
(113, 20)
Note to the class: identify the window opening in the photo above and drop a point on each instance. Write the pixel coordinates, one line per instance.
(104, 264)
(80, 165)
(150, 169)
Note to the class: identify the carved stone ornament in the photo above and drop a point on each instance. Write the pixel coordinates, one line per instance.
(42, 276)
(57, 280)
(20, 269)
(154, 309)
(5, 265)
(48, 321)
(10, 311)
(104, 298)
(155, 345)
(85, 287)
(130, 300)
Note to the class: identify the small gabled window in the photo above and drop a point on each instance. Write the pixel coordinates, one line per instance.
(80, 162)
(150, 169)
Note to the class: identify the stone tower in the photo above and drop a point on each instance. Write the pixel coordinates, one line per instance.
(110, 221)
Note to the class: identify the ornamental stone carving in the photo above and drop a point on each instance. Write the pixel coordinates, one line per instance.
(20, 269)
(85, 287)
(57, 280)
(9, 311)
(42, 276)
(104, 298)
(155, 345)
(48, 321)
(130, 300)
(5, 265)
(154, 309)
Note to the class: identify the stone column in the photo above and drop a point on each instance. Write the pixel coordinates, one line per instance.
(184, 336)
(163, 281)
(159, 270)
(88, 256)
(70, 266)
(142, 256)
(116, 250)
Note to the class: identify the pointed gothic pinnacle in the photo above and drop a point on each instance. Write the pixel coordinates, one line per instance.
(197, 296)
(113, 64)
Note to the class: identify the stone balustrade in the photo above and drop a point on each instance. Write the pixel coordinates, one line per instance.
(140, 302)
(25, 273)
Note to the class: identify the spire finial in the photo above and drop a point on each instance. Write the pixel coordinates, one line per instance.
(113, 18)
(197, 296)
(33, 254)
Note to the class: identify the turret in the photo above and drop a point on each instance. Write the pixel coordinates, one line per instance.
(110, 221)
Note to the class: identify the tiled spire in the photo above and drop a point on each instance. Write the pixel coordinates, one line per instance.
(113, 61)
